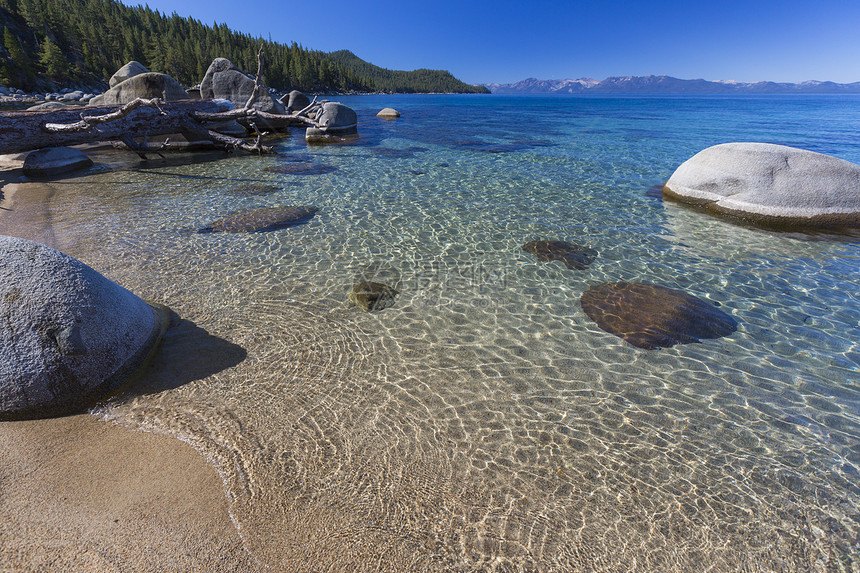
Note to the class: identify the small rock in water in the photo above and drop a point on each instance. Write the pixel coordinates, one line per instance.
(388, 113)
(372, 296)
(50, 161)
(257, 189)
(573, 256)
(301, 168)
(260, 220)
(395, 153)
(650, 316)
(655, 192)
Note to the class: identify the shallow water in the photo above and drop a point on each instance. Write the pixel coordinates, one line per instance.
(483, 421)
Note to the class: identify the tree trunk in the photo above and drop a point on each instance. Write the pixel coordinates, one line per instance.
(26, 130)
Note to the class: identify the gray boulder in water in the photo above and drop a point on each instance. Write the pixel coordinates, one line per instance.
(260, 220)
(335, 121)
(335, 117)
(149, 85)
(68, 335)
(131, 69)
(295, 101)
(223, 80)
(388, 113)
(770, 184)
(50, 161)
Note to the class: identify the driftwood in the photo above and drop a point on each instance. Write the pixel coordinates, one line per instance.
(141, 118)
(27, 130)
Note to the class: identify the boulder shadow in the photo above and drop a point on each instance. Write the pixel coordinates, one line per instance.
(187, 353)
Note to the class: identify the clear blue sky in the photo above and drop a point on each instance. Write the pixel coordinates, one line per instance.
(504, 41)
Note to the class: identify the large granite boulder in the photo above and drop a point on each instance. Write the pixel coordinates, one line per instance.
(131, 69)
(217, 66)
(50, 161)
(770, 184)
(336, 121)
(295, 101)
(334, 117)
(223, 80)
(147, 86)
(69, 336)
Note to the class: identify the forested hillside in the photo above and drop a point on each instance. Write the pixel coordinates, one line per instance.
(86, 41)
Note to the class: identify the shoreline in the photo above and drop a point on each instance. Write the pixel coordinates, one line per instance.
(81, 493)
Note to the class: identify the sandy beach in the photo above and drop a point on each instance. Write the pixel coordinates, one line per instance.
(81, 494)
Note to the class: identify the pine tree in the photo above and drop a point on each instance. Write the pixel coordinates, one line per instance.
(53, 60)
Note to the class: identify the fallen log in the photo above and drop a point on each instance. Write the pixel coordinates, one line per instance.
(28, 130)
(142, 118)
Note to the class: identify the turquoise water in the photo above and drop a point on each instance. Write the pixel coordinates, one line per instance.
(483, 421)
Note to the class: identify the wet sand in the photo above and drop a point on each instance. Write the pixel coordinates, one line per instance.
(81, 494)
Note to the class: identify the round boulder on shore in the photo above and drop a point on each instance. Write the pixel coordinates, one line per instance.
(50, 161)
(147, 86)
(771, 185)
(48, 105)
(131, 69)
(69, 335)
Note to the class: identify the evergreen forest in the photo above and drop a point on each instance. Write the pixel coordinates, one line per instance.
(49, 43)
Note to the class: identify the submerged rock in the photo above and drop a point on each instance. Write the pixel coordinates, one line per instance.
(260, 220)
(395, 153)
(770, 184)
(69, 335)
(370, 296)
(254, 189)
(573, 256)
(131, 69)
(483, 146)
(149, 85)
(316, 136)
(301, 168)
(650, 316)
(50, 161)
(388, 113)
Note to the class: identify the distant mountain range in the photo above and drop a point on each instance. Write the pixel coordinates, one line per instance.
(667, 85)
